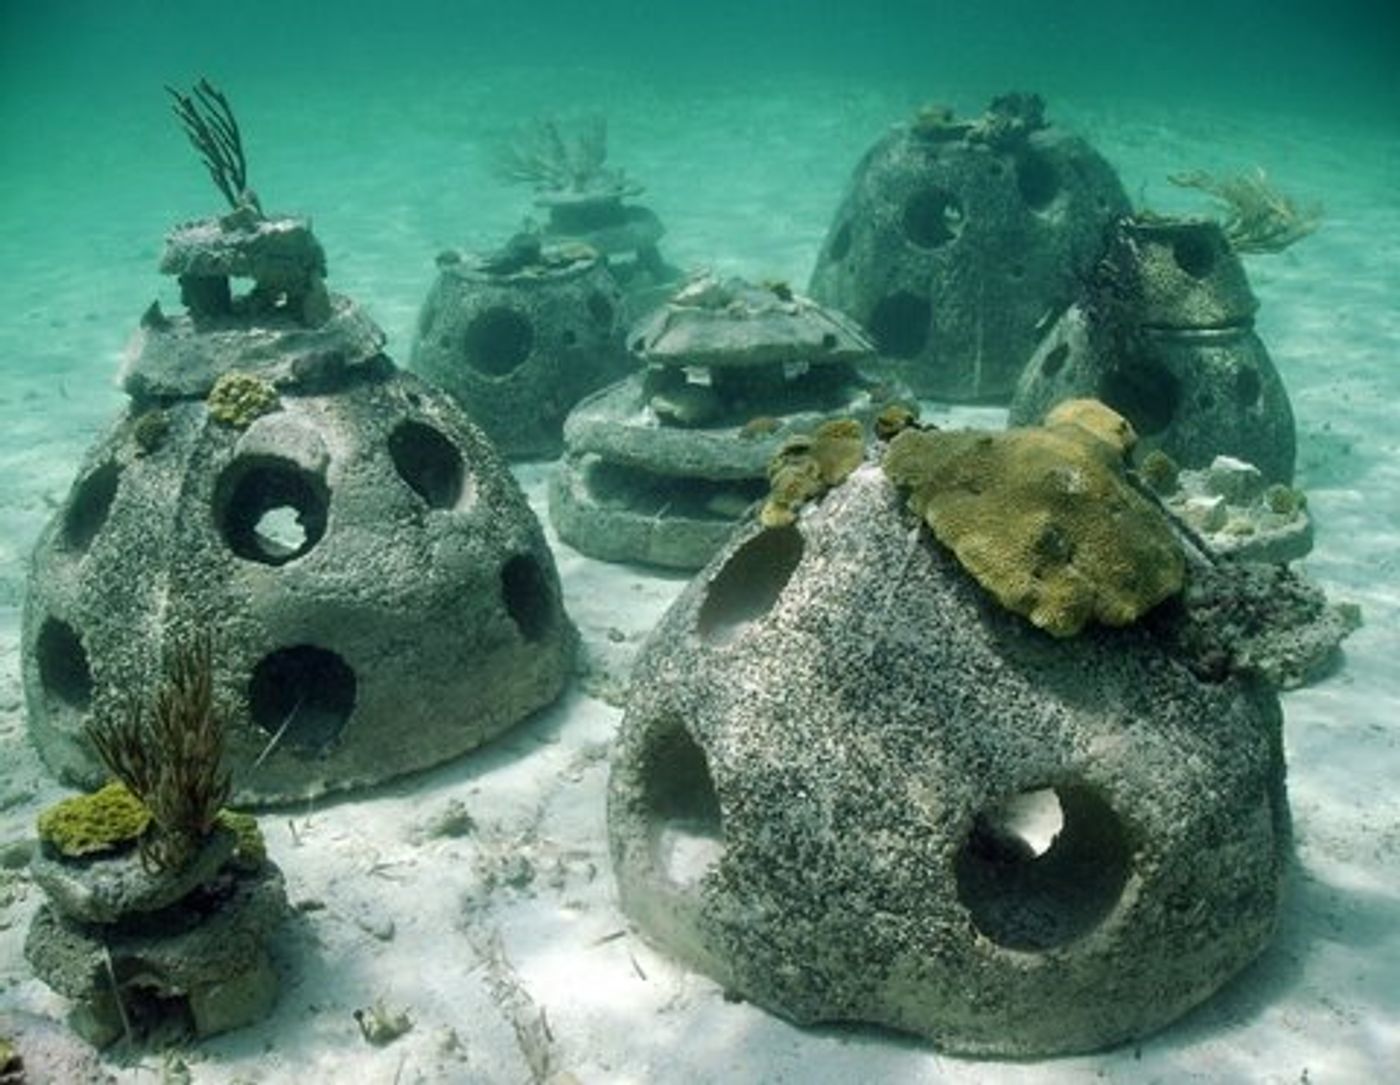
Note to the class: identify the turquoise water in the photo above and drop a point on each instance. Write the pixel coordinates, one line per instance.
(744, 122)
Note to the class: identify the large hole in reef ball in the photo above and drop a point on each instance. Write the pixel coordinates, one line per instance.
(1043, 867)
(89, 504)
(1055, 360)
(63, 664)
(749, 584)
(900, 324)
(428, 462)
(303, 695)
(681, 806)
(528, 597)
(932, 217)
(498, 340)
(1194, 251)
(1143, 391)
(1036, 180)
(270, 510)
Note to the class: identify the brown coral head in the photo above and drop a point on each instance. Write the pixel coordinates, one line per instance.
(894, 418)
(1043, 520)
(1096, 419)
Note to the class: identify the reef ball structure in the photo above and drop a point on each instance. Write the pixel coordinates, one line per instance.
(520, 336)
(379, 595)
(1164, 334)
(850, 786)
(660, 467)
(957, 243)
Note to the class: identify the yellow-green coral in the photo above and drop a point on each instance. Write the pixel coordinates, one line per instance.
(807, 466)
(793, 479)
(1096, 419)
(1044, 519)
(1160, 472)
(894, 418)
(838, 446)
(251, 850)
(238, 398)
(105, 820)
(1285, 500)
(150, 429)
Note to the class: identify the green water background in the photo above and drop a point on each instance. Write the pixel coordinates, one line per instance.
(743, 120)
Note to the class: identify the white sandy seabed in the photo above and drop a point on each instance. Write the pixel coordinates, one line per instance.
(512, 928)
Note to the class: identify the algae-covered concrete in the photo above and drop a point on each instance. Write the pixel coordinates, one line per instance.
(851, 787)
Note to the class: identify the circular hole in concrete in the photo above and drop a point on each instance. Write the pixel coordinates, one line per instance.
(600, 309)
(1144, 392)
(840, 244)
(569, 337)
(1194, 252)
(270, 510)
(301, 697)
(1043, 867)
(428, 462)
(1036, 180)
(89, 504)
(528, 598)
(1055, 360)
(1248, 385)
(498, 340)
(932, 217)
(681, 806)
(900, 323)
(63, 664)
(749, 584)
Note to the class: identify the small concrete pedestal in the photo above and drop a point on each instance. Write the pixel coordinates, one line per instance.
(198, 961)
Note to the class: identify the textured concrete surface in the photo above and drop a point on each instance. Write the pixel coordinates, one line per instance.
(1165, 336)
(518, 346)
(204, 955)
(359, 545)
(957, 244)
(849, 786)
